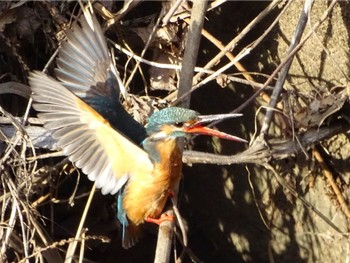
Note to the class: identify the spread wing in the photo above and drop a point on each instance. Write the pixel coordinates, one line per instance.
(106, 156)
(84, 64)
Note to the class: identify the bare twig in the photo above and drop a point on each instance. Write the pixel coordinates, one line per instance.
(287, 58)
(150, 37)
(72, 246)
(178, 67)
(153, 63)
(328, 174)
(186, 14)
(15, 88)
(231, 57)
(171, 11)
(189, 61)
(291, 189)
(284, 70)
(63, 243)
(277, 149)
(230, 46)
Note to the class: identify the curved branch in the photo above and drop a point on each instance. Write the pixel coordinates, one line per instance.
(260, 152)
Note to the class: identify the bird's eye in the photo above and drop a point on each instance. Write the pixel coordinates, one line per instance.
(178, 124)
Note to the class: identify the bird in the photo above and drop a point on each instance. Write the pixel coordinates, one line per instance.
(82, 110)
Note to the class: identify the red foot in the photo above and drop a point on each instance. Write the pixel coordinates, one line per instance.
(158, 221)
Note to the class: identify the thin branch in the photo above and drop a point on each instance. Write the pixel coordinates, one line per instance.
(231, 45)
(72, 247)
(178, 67)
(328, 174)
(287, 58)
(166, 229)
(307, 204)
(274, 149)
(150, 37)
(285, 69)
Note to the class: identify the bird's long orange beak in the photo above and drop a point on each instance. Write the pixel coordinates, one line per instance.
(198, 128)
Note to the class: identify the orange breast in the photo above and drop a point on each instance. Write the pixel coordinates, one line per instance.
(146, 194)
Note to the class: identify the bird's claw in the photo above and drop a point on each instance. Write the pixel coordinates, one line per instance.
(164, 217)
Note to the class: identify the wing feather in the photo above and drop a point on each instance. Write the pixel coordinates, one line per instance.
(106, 156)
(67, 59)
(94, 171)
(84, 60)
(75, 70)
(86, 153)
(69, 140)
(60, 131)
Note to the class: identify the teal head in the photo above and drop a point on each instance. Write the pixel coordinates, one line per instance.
(175, 122)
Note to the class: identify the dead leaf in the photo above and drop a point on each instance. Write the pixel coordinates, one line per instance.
(315, 106)
(142, 107)
(7, 17)
(319, 110)
(163, 78)
(222, 80)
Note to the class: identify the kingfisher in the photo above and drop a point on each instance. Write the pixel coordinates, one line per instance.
(82, 110)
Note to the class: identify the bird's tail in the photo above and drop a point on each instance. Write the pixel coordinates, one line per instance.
(131, 235)
(131, 232)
